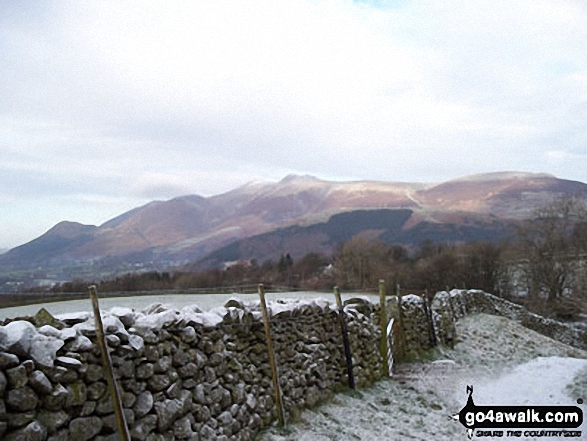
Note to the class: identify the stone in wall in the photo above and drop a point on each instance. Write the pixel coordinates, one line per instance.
(445, 313)
(457, 304)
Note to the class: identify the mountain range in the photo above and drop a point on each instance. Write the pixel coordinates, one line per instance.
(296, 215)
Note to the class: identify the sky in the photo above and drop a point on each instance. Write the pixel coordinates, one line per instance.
(107, 105)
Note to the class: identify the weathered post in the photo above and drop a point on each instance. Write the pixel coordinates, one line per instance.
(109, 372)
(345, 338)
(383, 346)
(399, 344)
(276, 387)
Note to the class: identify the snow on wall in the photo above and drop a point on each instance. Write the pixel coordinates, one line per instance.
(425, 325)
(188, 374)
(183, 374)
(479, 301)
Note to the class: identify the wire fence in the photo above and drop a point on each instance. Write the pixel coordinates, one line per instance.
(334, 324)
(275, 345)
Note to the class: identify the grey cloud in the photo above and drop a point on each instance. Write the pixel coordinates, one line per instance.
(160, 99)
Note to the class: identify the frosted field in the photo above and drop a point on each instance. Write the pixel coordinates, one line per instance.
(506, 364)
(203, 301)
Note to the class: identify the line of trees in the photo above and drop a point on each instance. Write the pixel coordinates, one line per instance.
(310, 272)
(544, 266)
(355, 265)
(360, 263)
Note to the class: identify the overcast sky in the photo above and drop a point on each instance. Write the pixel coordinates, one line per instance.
(106, 105)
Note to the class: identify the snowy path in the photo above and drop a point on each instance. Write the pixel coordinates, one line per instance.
(506, 364)
(539, 382)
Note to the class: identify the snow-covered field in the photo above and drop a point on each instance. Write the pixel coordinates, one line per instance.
(203, 301)
(506, 363)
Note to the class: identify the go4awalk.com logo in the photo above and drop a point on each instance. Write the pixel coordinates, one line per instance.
(520, 421)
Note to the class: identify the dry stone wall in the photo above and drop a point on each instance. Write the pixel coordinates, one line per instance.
(183, 374)
(422, 326)
(475, 301)
(418, 334)
(192, 375)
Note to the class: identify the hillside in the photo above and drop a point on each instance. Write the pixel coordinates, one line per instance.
(387, 226)
(505, 362)
(297, 214)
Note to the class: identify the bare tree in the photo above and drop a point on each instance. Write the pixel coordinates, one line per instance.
(480, 265)
(555, 253)
(360, 262)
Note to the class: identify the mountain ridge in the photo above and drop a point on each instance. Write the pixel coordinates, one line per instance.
(190, 227)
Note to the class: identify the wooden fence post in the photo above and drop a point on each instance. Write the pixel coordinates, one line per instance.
(276, 387)
(383, 347)
(345, 338)
(400, 340)
(109, 372)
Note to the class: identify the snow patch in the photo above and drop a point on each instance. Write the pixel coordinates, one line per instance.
(17, 337)
(44, 349)
(78, 316)
(67, 334)
(49, 331)
(412, 299)
(540, 381)
(157, 320)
